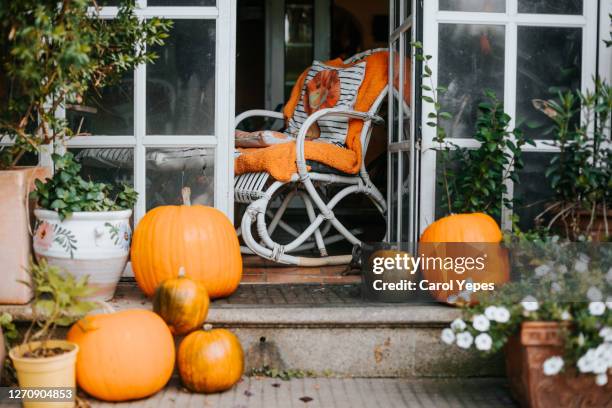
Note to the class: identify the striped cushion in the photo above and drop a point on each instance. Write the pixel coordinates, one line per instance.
(325, 87)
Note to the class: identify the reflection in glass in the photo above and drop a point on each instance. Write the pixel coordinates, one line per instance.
(112, 165)
(549, 61)
(471, 59)
(550, 6)
(181, 82)
(299, 43)
(533, 191)
(201, 3)
(486, 6)
(108, 112)
(169, 170)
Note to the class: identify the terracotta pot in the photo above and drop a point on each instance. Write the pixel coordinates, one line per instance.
(525, 354)
(57, 371)
(15, 240)
(96, 244)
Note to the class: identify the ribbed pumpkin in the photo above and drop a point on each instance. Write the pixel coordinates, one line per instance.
(471, 229)
(123, 356)
(200, 239)
(210, 360)
(182, 303)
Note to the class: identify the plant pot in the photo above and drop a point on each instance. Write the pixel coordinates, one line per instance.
(15, 240)
(96, 244)
(57, 371)
(525, 354)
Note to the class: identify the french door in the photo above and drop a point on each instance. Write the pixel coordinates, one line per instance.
(402, 213)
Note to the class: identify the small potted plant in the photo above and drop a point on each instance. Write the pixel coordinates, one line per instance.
(553, 322)
(580, 174)
(8, 333)
(83, 226)
(53, 54)
(41, 361)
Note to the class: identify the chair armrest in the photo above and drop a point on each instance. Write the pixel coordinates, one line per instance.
(257, 112)
(301, 138)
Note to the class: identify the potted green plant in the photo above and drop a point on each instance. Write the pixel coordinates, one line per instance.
(8, 333)
(52, 53)
(41, 361)
(554, 324)
(581, 173)
(83, 226)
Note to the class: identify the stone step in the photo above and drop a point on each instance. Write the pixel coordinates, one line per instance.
(329, 329)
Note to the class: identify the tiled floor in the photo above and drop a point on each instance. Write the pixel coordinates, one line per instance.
(254, 392)
(258, 270)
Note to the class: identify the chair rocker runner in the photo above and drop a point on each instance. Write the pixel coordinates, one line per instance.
(259, 189)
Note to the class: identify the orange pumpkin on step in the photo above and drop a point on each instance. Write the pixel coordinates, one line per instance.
(210, 360)
(182, 303)
(123, 356)
(459, 237)
(201, 239)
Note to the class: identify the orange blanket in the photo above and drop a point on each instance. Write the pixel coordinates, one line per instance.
(279, 160)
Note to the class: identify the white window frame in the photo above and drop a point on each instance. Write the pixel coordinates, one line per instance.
(510, 20)
(222, 141)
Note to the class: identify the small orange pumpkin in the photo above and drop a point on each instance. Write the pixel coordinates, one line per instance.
(201, 239)
(479, 231)
(182, 303)
(210, 360)
(123, 356)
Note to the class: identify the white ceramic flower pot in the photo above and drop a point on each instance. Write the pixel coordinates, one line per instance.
(96, 244)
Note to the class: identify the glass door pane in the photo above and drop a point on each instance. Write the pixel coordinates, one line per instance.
(299, 40)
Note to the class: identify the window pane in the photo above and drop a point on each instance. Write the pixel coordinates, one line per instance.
(533, 190)
(181, 3)
(181, 82)
(487, 6)
(112, 165)
(299, 44)
(393, 202)
(471, 59)
(109, 111)
(169, 170)
(395, 95)
(549, 61)
(405, 198)
(551, 6)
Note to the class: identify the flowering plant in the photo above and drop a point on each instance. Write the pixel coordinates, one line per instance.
(564, 282)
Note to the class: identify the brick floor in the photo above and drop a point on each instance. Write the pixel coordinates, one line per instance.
(253, 392)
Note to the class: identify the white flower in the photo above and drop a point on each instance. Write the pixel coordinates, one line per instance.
(555, 287)
(553, 365)
(562, 269)
(581, 265)
(448, 336)
(609, 302)
(594, 294)
(601, 379)
(464, 340)
(581, 339)
(585, 363)
(530, 304)
(483, 342)
(566, 315)
(502, 315)
(542, 270)
(458, 325)
(599, 365)
(481, 323)
(490, 311)
(606, 333)
(597, 308)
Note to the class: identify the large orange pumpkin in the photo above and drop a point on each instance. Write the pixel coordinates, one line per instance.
(200, 239)
(210, 360)
(123, 356)
(182, 303)
(463, 236)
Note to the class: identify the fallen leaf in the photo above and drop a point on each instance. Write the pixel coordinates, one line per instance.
(276, 385)
(248, 393)
(305, 400)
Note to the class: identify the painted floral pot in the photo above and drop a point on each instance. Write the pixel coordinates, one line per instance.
(525, 355)
(96, 244)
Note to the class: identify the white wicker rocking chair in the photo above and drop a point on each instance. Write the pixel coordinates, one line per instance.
(259, 190)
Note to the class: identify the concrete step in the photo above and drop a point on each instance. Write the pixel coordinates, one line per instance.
(330, 330)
